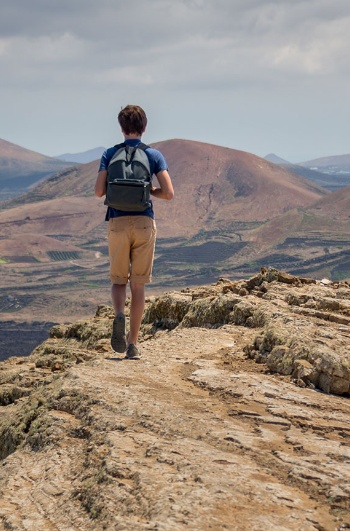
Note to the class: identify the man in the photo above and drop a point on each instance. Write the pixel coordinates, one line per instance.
(132, 235)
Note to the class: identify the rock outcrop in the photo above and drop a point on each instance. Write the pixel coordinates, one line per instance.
(302, 325)
(236, 417)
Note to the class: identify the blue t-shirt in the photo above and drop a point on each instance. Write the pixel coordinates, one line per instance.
(157, 163)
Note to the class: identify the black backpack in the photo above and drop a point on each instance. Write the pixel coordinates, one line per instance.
(129, 179)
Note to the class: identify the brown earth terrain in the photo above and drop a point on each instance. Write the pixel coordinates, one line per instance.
(336, 206)
(220, 186)
(233, 213)
(236, 416)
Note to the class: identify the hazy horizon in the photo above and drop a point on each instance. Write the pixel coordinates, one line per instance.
(92, 149)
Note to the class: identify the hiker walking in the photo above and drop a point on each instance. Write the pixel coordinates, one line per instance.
(125, 178)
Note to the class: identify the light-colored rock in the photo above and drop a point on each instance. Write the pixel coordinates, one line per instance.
(196, 434)
(289, 313)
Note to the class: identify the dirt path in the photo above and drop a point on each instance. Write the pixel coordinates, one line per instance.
(192, 436)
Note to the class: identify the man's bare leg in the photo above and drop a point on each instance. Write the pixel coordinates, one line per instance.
(137, 306)
(118, 297)
(118, 338)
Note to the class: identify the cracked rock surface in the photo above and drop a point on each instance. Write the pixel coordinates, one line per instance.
(236, 416)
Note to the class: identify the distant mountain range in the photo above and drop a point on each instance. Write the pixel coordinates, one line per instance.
(232, 214)
(330, 172)
(338, 163)
(83, 157)
(20, 168)
(271, 157)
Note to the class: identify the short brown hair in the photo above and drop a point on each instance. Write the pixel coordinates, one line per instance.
(132, 119)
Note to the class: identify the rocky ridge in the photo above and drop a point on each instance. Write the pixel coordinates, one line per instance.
(240, 402)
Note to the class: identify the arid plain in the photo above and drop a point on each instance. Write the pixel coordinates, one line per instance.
(233, 213)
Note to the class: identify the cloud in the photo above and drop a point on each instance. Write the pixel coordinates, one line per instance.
(196, 42)
(83, 52)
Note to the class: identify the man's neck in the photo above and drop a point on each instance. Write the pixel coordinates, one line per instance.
(132, 137)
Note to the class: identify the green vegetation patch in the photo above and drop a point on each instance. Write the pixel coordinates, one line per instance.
(341, 271)
(26, 259)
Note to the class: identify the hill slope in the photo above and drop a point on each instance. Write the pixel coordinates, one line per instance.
(313, 240)
(54, 238)
(20, 168)
(335, 205)
(215, 186)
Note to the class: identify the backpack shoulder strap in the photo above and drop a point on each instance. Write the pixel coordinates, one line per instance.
(118, 149)
(142, 146)
(129, 150)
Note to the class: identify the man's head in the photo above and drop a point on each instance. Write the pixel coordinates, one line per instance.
(133, 120)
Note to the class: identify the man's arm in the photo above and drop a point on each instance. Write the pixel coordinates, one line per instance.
(101, 183)
(166, 190)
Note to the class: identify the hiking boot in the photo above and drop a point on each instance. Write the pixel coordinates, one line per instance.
(118, 339)
(132, 352)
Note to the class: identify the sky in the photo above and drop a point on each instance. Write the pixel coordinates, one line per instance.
(263, 76)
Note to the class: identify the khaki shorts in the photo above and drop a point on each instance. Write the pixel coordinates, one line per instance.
(131, 242)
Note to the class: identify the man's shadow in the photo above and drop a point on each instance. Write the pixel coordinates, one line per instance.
(122, 359)
(115, 359)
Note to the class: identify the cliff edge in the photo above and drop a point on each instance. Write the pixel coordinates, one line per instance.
(236, 417)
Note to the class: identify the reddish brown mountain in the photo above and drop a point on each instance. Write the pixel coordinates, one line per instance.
(311, 241)
(336, 205)
(214, 186)
(20, 168)
(14, 152)
(53, 252)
